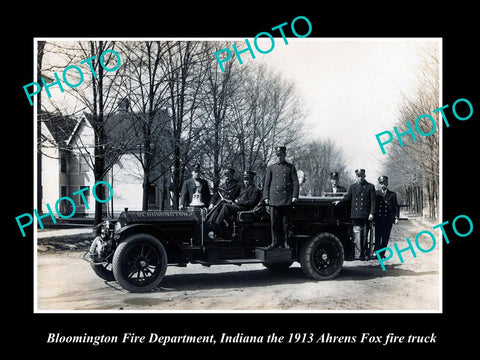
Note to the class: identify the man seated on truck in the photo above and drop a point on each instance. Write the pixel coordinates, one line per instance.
(249, 196)
(229, 190)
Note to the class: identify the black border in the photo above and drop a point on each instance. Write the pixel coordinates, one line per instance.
(28, 331)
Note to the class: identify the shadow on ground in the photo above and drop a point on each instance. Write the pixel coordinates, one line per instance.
(265, 277)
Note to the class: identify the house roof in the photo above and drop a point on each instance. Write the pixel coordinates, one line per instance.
(122, 128)
(130, 126)
(124, 132)
(61, 127)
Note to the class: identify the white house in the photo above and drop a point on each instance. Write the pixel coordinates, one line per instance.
(67, 167)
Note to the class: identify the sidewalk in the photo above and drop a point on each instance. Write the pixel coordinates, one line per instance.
(427, 223)
(41, 234)
(64, 239)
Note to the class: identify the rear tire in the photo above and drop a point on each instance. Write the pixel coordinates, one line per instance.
(321, 257)
(140, 263)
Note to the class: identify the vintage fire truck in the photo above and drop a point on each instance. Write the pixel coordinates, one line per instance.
(136, 248)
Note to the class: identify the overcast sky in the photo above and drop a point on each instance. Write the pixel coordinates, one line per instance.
(350, 87)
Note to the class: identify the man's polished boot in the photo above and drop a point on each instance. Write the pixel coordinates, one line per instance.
(273, 245)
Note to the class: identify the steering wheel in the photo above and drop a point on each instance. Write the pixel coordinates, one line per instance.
(222, 197)
(222, 200)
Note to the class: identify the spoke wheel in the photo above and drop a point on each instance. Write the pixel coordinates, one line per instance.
(322, 257)
(102, 269)
(139, 263)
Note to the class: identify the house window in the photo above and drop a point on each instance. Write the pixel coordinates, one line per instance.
(74, 165)
(64, 206)
(78, 197)
(63, 163)
(83, 165)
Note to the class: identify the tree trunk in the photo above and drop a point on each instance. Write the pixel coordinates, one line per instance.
(176, 177)
(148, 160)
(99, 140)
(145, 188)
(41, 45)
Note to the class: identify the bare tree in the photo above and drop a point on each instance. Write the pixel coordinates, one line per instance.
(266, 113)
(217, 95)
(181, 109)
(317, 159)
(414, 168)
(145, 97)
(40, 50)
(184, 77)
(96, 100)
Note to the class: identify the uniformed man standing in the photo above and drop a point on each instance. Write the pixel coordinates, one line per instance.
(362, 196)
(386, 214)
(193, 184)
(334, 186)
(280, 191)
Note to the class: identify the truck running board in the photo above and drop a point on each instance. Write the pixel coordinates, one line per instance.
(273, 255)
(228, 262)
(262, 255)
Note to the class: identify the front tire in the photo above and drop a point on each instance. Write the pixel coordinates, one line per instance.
(102, 269)
(321, 258)
(140, 263)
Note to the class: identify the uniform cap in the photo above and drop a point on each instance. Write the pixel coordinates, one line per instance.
(383, 179)
(229, 171)
(280, 149)
(360, 172)
(196, 167)
(248, 174)
(334, 175)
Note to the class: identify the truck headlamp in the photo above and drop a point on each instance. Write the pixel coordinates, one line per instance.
(118, 226)
(104, 228)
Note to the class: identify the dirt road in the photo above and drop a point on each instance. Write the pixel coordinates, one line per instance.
(66, 282)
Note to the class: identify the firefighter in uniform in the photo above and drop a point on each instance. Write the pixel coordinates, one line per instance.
(230, 189)
(334, 186)
(279, 192)
(362, 197)
(249, 196)
(386, 214)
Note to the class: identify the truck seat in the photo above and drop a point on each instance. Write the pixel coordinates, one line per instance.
(258, 213)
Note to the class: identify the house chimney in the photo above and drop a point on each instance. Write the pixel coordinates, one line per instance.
(123, 105)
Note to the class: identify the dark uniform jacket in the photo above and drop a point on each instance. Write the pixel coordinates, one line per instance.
(249, 197)
(387, 206)
(339, 188)
(231, 191)
(189, 188)
(281, 184)
(363, 200)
